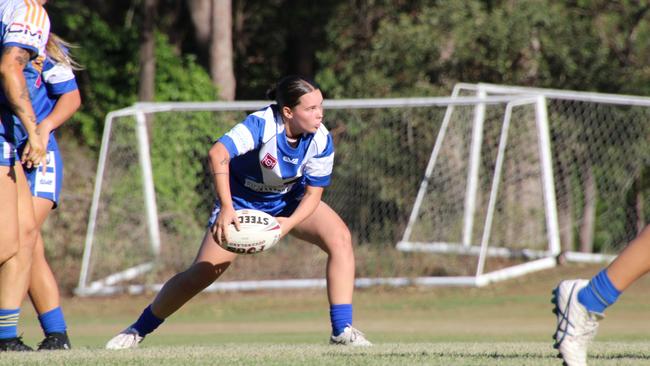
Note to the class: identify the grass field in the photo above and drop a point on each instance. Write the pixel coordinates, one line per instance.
(504, 324)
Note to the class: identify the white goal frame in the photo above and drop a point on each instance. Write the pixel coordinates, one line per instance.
(485, 94)
(483, 90)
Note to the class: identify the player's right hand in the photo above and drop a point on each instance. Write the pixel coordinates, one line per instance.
(226, 217)
(34, 153)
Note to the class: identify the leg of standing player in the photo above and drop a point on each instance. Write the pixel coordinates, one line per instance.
(210, 263)
(327, 230)
(44, 290)
(579, 304)
(17, 243)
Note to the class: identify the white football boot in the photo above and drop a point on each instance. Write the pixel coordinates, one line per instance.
(350, 337)
(576, 326)
(128, 338)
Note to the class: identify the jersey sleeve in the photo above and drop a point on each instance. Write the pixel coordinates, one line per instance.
(29, 28)
(318, 169)
(58, 77)
(244, 137)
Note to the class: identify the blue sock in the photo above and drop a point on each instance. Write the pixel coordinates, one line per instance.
(147, 322)
(341, 317)
(53, 321)
(599, 293)
(9, 323)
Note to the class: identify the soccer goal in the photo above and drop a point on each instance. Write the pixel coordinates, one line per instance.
(507, 172)
(586, 159)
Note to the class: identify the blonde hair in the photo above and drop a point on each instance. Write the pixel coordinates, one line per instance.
(58, 50)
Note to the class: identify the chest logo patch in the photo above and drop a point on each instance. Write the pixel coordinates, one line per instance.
(269, 161)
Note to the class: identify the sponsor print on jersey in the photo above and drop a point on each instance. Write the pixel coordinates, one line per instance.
(24, 24)
(265, 188)
(46, 183)
(29, 33)
(289, 160)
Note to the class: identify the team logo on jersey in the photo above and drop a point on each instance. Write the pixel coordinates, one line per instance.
(269, 161)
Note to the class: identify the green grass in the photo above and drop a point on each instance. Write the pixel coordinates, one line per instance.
(503, 324)
(389, 354)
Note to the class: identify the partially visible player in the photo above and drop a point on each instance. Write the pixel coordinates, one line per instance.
(53, 104)
(580, 304)
(24, 30)
(278, 160)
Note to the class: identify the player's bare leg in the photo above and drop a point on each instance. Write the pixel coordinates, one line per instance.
(632, 263)
(9, 241)
(19, 240)
(327, 230)
(210, 263)
(43, 289)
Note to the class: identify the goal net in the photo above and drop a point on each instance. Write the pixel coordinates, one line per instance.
(595, 182)
(499, 180)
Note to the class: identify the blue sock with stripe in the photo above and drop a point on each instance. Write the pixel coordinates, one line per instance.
(341, 317)
(147, 322)
(53, 321)
(9, 323)
(599, 293)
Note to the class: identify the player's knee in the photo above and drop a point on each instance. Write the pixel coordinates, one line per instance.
(28, 236)
(8, 247)
(340, 241)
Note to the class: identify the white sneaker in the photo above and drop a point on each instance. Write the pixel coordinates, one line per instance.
(350, 337)
(576, 326)
(128, 338)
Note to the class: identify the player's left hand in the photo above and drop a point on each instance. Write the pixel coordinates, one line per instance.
(285, 225)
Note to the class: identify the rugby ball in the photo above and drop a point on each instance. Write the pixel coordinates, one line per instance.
(258, 231)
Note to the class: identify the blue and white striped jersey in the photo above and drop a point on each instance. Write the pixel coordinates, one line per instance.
(264, 167)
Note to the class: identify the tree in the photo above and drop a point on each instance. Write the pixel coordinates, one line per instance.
(221, 52)
(147, 52)
(201, 14)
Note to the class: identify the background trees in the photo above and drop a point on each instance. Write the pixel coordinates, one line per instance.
(354, 48)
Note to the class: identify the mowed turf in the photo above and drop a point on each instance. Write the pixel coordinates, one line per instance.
(508, 323)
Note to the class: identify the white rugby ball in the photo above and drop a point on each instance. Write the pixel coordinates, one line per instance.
(258, 231)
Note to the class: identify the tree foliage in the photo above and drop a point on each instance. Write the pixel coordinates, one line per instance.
(426, 48)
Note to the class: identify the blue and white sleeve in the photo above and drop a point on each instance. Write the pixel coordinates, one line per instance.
(59, 78)
(244, 137)
(318, 169)
(29, 28)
